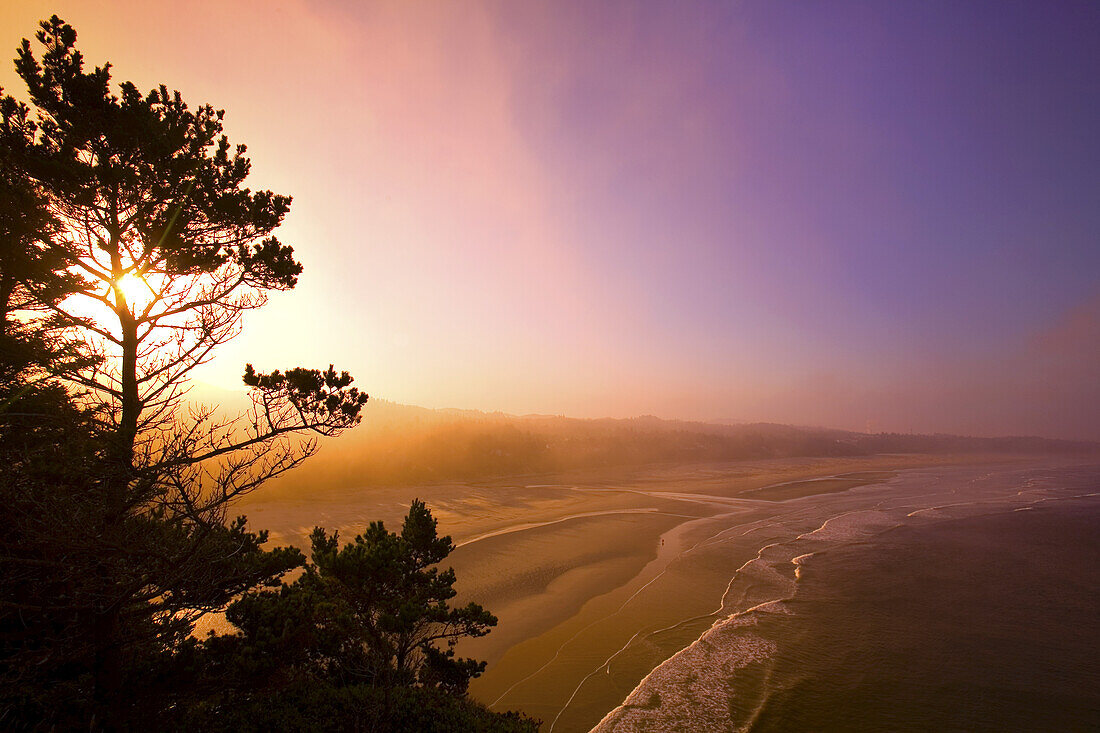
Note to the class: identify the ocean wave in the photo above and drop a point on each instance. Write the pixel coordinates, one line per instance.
(691, 689)
(798, 562)
(692, 684)
(929, 513)
(852, 526)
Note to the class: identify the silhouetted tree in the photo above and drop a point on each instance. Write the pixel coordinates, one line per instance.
(368, 621)
(29, 255)
(149, 192)
(114, 494)
(100, 189)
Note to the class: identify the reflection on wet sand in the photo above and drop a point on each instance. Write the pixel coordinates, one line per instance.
(597, 578)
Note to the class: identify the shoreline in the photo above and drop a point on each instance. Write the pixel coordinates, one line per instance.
(539, 674)
(700, 672)
(578, 565)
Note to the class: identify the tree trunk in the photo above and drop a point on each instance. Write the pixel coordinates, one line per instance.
(7, 287)
(107, 630)
(131, 406)
(107, 661)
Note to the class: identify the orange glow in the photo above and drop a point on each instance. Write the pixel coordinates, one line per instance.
(572, 213)
(134, 289)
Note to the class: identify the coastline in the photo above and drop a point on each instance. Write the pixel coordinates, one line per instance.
(599, 577)
(693, 689)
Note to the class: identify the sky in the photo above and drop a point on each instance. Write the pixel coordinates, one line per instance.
(866, 215)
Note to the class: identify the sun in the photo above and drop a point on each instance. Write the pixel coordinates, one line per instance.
(133, 288)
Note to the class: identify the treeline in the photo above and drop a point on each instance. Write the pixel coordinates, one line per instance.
(129, 250)
(401, 444)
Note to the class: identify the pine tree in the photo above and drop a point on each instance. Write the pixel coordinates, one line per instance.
(365, 633)
(108, 189)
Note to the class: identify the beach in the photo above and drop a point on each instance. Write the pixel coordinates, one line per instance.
(966, 609)
(599, 577)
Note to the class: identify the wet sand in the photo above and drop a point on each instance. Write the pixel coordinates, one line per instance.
(575, 566)
(809, 487)
(966, 589)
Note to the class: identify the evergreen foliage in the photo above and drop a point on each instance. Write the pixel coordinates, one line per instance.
(115, 532)
(369, 621)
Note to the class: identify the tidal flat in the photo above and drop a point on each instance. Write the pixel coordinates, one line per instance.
(599, 576)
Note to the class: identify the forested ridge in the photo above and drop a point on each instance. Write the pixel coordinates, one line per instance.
(406, 445)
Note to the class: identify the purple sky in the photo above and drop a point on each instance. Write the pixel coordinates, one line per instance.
(877, 215)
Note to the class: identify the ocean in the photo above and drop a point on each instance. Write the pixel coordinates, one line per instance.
(974, 606)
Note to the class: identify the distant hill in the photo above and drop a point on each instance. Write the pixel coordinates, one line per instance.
(402, 444)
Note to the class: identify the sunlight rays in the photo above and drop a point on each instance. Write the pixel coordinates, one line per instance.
(134, 289)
